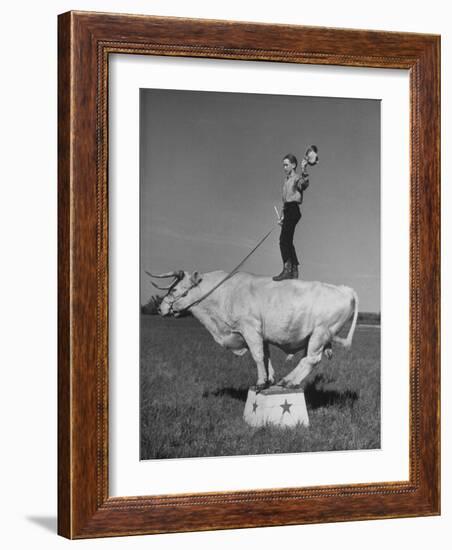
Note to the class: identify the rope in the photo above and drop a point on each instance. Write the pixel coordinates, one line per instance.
(233, 272)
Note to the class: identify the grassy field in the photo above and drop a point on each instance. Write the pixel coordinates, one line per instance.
(193, 393)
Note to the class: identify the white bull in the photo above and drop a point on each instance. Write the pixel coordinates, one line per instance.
(249, 312)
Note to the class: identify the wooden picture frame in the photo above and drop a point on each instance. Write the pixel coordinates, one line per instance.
(85, 42)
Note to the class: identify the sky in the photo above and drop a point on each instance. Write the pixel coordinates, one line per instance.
(211, 173)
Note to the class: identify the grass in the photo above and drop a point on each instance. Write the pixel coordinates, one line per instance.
(193, 393)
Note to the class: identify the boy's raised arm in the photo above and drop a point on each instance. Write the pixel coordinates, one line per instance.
(303, 181)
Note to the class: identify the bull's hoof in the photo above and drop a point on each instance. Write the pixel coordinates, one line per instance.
(288, 385)
(267, 384)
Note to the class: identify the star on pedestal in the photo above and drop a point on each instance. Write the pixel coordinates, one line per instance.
(286, 406)
(254, 406)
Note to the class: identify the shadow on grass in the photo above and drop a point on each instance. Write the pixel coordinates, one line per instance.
(235, 393)
(317, 396)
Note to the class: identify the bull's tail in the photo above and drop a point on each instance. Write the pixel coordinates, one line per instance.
(347, 342)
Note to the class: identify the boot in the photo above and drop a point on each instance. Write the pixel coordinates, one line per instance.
(286, 273)
(294, 271)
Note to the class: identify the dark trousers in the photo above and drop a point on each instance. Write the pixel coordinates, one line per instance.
(292, 216)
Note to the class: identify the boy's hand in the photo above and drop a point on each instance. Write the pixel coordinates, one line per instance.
(280, 221)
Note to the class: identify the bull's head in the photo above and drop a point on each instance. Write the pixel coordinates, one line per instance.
(179, 294)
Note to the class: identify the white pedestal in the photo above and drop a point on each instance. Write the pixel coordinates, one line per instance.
(275, 405)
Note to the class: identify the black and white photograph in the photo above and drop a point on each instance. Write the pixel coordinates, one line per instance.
(224, 235)
(260, 274)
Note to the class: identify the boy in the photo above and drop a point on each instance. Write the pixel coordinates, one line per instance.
(292, 197)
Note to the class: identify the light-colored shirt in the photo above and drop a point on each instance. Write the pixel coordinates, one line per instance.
(293, 187)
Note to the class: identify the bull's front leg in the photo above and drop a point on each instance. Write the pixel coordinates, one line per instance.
(268, 365)
(256, 347)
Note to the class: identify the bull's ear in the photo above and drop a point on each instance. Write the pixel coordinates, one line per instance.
(195, 278)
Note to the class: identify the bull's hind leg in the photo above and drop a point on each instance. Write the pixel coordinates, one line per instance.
(319, 338)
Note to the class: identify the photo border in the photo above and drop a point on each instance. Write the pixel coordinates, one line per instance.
(127, 75)
(85, 41)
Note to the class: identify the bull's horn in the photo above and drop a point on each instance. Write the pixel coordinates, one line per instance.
(176, 274)
(163, 287)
